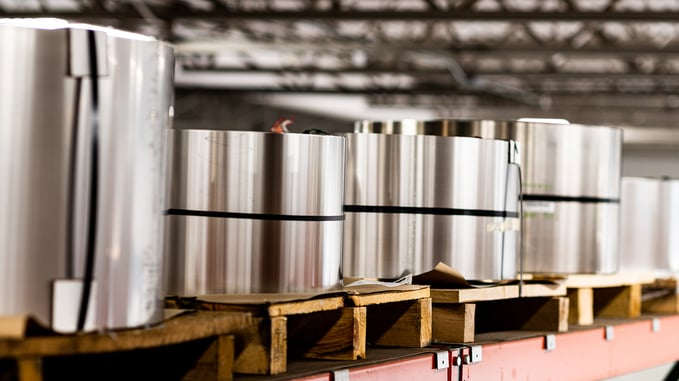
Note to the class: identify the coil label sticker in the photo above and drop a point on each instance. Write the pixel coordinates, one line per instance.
(506, 225)
(547, 207)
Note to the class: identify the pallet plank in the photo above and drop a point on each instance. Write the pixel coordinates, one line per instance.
(668, 304)
(270, 304)
(622, 301)
(29, 368)
(332, 335)
(194, 326)
(597, 280)
(467, 295)
(216, 363)
(535, 314)
(361, 296)
(263, 348)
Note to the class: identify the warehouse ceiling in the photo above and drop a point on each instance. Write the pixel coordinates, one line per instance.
(595, 61)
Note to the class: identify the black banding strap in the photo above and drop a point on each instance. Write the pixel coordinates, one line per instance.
(428, 210)
(580, 199)
(88, 277)
(251, 216)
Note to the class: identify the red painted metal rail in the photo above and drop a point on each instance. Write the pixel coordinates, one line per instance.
(582, 354)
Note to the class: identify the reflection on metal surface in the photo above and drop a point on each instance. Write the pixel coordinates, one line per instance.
(255, 212)
(649, 223)
(45, 135)
(573, 170)
(414, 200)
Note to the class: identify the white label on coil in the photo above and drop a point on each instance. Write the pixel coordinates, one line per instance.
(539, 207)
(66, 295)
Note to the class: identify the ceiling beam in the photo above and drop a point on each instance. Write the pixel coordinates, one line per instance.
(427, 71)
(181, 12)
(427, 90)
(486, 50)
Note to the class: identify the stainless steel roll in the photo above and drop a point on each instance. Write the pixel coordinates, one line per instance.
(82, 168)
(255, 212)
(414, 200)
(639, 224)
(571, 187)
(669, 227)
(649, 222)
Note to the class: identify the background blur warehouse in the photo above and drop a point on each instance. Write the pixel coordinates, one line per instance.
(326, 63)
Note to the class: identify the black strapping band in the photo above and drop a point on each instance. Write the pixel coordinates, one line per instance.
(432, 211)
(581, 199)
(251, 216)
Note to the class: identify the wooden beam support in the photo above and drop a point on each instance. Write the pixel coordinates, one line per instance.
(401, 324)
(580, 310)
(453, 323)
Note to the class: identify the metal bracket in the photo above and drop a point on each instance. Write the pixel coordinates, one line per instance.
(550, 342)
(340, 375)
(456, 358)
(456, 361)
(609, 333)
(655, 325)
(476, 353)
(442, 360)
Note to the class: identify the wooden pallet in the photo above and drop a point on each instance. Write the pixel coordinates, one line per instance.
(305, 325)
(594, 295)
(336, 325)
(193, 346)
(396, 316)
(661, 296)
(458, 314)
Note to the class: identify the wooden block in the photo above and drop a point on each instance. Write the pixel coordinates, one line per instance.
(534, 314)
(622, 301)
(453, 323)
(401, 324)
(550, 316)
(580, 308)
(334, 335)
(216, 363)
(668, 304)
(29, 369)
(263, 348)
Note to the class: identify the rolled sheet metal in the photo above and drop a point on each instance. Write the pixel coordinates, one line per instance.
(669, 227)
(255, 212)
(82, 168)
(571, 187)
(649, 225)
(414, 200)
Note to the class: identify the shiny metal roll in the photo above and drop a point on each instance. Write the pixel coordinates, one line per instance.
(82, 168)
(255, 212)
(669, 227)
(649, 224)
(640, 224)
(571, 187)
(414, 200)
